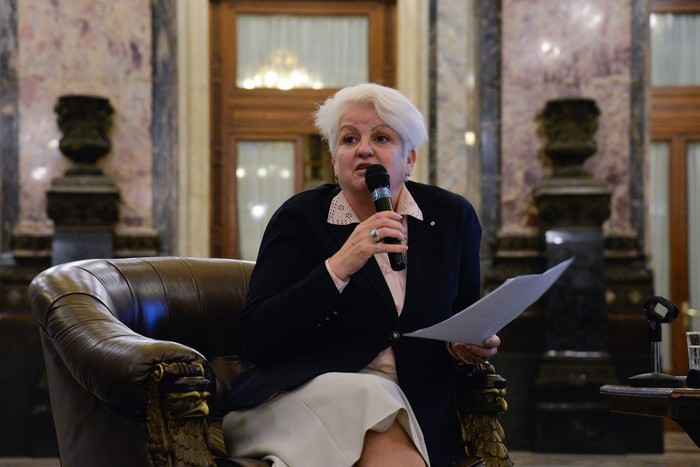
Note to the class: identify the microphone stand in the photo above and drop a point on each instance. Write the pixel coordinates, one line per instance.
(656, 379)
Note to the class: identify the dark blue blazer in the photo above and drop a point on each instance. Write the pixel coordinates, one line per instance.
(295, 324)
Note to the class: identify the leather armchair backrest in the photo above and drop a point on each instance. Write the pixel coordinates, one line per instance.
(192, 301)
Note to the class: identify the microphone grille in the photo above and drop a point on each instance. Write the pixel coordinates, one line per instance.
(376, 176)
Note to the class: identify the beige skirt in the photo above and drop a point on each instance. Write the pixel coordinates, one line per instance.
(323, 423)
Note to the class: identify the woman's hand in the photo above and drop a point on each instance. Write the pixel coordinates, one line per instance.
(363, 243)
(475, 354)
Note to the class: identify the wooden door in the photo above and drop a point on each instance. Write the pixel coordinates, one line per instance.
(675, 125)
(264, 114)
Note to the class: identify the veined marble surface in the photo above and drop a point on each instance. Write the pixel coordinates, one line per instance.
(97, 47)
(556, 49)
(452, 86)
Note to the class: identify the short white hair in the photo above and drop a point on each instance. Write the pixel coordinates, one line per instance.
(392, 107)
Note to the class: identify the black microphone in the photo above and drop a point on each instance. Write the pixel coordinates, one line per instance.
(377, 180)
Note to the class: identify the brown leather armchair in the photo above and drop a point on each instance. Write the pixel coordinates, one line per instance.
(141, 352)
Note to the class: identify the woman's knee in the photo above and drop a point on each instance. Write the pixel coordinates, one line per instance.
(393, 447)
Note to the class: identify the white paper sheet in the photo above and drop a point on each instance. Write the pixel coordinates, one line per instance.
(490, 314)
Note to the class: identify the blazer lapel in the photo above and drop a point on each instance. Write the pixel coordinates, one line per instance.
(422, 234)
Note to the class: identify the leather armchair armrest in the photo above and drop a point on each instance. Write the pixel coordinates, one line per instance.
(480, 396)
(105, 356)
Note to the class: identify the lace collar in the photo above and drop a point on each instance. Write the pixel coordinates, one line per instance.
(340, 212)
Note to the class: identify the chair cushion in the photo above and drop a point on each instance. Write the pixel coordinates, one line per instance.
(226, 369)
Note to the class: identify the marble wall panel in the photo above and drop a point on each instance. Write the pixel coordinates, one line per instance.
(555, 49)
(9, 123)
(451, 95)
(97, 47)
(164, 127)
(488, 59)
(456, 164)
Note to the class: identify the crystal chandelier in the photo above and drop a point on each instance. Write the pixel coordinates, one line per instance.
(283, 72)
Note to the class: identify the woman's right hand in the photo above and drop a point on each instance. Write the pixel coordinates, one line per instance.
(361, 246)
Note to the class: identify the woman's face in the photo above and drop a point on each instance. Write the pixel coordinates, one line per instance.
(363, 140)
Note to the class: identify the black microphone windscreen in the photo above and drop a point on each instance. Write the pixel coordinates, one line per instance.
(376, 176)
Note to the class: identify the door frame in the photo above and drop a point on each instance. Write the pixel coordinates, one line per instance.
(675, 119)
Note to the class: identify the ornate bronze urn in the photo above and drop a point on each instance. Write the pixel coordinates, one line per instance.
(569, 127)
(571, 196)
(85, 122)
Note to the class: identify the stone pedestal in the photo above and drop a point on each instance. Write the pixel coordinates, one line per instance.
(524, 351)
(84, 208)
(570, 415)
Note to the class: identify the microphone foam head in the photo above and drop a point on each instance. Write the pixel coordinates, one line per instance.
(376, 176)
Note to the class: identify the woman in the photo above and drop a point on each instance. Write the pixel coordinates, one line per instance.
(335, 383)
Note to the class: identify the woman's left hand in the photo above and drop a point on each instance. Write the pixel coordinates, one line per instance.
(475, 354)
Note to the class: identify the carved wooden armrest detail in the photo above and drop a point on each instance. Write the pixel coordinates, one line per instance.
(176, 416)
(480, 398)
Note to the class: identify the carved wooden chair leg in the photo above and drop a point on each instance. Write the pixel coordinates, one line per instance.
(480, 398)
(176, 414)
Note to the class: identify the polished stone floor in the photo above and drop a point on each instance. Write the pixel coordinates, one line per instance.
(679, 451)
